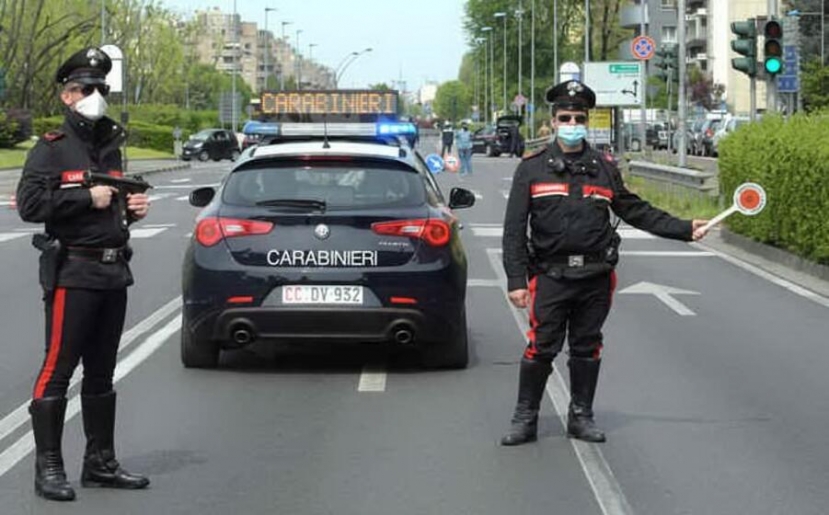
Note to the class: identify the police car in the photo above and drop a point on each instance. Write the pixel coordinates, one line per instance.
(326, 233)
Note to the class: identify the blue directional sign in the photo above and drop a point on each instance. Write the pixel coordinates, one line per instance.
(787, 81)
(435, 163)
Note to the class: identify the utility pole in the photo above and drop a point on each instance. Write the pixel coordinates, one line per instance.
(586, 31)
(519, 13)
(282, 52)
(643, 79)
(531, 105)
(267, 47)
(555, 41)
(233, 80)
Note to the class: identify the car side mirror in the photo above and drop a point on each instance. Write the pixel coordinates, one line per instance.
(202, 196)
(460, 198)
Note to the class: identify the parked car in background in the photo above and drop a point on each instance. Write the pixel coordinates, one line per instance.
(707, 140)
(215, 144)
(497, 140)
(731, 125)
(689, 141)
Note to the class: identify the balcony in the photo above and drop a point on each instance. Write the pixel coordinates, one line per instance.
(697, 40)
(694, 4)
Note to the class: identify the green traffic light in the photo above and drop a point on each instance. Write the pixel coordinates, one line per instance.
(773, 65)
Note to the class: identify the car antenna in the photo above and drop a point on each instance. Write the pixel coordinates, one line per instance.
(325, 143)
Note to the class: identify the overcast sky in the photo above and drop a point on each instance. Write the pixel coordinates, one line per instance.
(415, 41)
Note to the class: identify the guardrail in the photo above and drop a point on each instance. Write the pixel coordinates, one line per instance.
(676, 178)
(531, 145)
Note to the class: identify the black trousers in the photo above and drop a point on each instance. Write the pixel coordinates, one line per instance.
(570, 308)
(83, 325)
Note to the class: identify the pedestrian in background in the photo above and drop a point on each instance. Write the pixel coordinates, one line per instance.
(463, 140)
(84, 274)
(563, 268)
(447, 139)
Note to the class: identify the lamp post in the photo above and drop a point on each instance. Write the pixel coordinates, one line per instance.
(311, 53)
(267, 49)
(483, 40)
(298, 62)
(519, 13)
(587, 30)
(504, 16)
(350, 58)
(233, 80)
(531, 106)
(489, 108)
(282, 67)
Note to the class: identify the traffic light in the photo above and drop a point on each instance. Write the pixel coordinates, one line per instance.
(745, 44)
(667, 63)
(773, 47)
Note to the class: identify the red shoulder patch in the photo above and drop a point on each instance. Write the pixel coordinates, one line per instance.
(53, 135)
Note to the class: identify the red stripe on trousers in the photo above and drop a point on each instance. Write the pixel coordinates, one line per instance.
(531, 350)
(58, 309)
(597, 354)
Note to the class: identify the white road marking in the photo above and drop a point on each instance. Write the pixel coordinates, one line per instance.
(185, 197)
(186, 186)
(8, 236)
(606, 489)
(25, 444)
(663, 293)
(372, 379)
(179, 181)
(20, 416)
(156, 226)
(667, 253)
(146, 233)
(779, 281)
(487, 232)
(483, 282)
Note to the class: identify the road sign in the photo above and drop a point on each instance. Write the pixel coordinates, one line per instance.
(435, 163)
(642, 47)
(115, 77)
(615, 83)
(569, 71)
(787, 81)
(749, 199)
(451, 163)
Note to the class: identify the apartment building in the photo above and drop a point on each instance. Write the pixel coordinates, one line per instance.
(234, 46)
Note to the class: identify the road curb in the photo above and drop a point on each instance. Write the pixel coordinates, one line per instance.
(169, 168)
(775, 255)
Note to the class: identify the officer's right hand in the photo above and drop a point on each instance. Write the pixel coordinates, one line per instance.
(102, 196)
(520, 298)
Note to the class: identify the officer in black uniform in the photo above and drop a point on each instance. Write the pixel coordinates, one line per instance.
(564, 270)
(84, 273)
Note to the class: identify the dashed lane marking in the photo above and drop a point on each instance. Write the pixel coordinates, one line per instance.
(372, 379)
(497, 231)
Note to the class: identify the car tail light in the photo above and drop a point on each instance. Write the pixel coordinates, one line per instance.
(435, 233)
(210, 231)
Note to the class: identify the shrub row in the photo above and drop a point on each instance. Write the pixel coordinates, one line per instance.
(790, 160)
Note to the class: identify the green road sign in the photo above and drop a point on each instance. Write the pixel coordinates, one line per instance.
(624, 68)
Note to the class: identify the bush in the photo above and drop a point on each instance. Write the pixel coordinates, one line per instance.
(790, 160)
(15, 127)
(44, 125)
(147, 135)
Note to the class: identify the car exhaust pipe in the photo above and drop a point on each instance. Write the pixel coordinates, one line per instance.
(403, 334)
(242, 334)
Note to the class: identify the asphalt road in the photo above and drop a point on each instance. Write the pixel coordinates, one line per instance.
(712, 396)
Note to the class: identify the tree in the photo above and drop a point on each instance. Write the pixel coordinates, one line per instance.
(452, 100)
(381, 86)
(815, 85)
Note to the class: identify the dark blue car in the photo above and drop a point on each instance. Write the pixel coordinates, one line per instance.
(313, 241)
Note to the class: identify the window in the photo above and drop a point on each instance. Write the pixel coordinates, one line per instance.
(669, 35)
(668, 4)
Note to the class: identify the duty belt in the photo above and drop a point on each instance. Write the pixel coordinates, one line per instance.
(574, 260)
(103, 255)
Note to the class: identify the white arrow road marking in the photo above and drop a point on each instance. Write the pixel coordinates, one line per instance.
(663, 293)
(185, 197)
(373, 379)
(186, 186)
(496, 231)
(147, 232)
(606, 489)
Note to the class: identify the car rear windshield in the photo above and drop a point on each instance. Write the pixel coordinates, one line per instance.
(337, 184)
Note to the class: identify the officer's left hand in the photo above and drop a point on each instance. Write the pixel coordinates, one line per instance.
(697, 228)
(138, 204)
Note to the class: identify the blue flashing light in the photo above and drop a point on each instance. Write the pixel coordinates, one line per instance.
(395, 129)
(261, 128)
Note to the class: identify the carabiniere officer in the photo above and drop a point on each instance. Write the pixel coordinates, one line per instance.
(84, 273)
(563, 272)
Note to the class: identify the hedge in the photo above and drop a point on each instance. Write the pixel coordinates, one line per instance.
(790, 160)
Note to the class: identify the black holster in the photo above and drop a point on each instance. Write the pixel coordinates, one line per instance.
(52, 254)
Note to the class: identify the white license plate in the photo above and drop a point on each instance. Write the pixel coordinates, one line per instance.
(317, 294)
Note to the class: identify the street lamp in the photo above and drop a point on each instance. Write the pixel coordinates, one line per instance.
(490, 108)
(282, 68)
(298, 61)
(350, 58)
(267, 47)
(483, 40)
(519, 14)
(504, 16)
(311, 53)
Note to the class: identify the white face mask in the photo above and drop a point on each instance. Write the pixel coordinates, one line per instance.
(92, 107)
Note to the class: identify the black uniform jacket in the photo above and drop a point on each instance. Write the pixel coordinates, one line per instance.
(565, 198)
(50, 192)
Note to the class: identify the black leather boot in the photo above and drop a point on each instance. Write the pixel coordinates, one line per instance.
(531, 381)
(47, 425)
(100, 468)
(584, 374)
